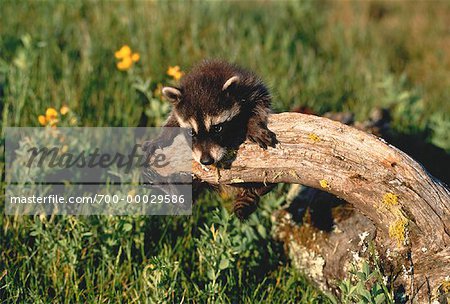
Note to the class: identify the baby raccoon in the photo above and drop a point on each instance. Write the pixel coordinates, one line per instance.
(223, 105)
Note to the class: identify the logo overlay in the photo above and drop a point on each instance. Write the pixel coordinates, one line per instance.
(95, 171)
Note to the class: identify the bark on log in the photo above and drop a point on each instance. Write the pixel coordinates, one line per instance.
(404, 210)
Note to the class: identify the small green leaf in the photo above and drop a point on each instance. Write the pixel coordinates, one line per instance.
(331, 297)
(365, 294)
(34, 233)
(261, 230)
(381, 298)
(127, 227)
(361, 276)
(211, 274)
(224, 264)
(366, 269)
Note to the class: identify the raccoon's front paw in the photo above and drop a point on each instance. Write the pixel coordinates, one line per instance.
(263, 137)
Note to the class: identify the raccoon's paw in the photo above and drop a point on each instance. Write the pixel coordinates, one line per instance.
(263, 137)
(243, 211)
(246, 203)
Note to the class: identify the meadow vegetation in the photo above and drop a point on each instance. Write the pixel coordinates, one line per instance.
(324, 55)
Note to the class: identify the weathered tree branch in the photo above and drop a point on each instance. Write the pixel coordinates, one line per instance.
(409, 209)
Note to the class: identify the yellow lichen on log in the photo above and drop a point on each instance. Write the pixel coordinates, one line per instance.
(398, 230)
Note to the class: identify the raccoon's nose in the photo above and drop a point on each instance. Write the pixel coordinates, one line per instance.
(206, 159)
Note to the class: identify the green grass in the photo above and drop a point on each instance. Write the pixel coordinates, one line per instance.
(328, 56)
(149, 259)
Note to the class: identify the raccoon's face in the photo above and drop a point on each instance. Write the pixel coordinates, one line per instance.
(214, 115)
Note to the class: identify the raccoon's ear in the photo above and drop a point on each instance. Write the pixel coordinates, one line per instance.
(230, 82)
(172, 94)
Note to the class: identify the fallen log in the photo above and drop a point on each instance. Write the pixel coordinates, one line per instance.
(399, 206)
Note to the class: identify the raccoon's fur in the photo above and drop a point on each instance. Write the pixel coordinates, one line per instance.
(224, 105)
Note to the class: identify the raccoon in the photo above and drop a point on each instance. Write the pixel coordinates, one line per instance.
(223, 105)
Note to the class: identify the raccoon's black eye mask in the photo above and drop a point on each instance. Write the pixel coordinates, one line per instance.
(233, 127)
(215, 130)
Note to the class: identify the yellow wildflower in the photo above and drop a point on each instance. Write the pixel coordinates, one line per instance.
(127, 58)
(51, 117)
(125, 64)
(64, 110)
(51, 113)
(42, 120)
(125, 51)
(135, 57)
(175, 72)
